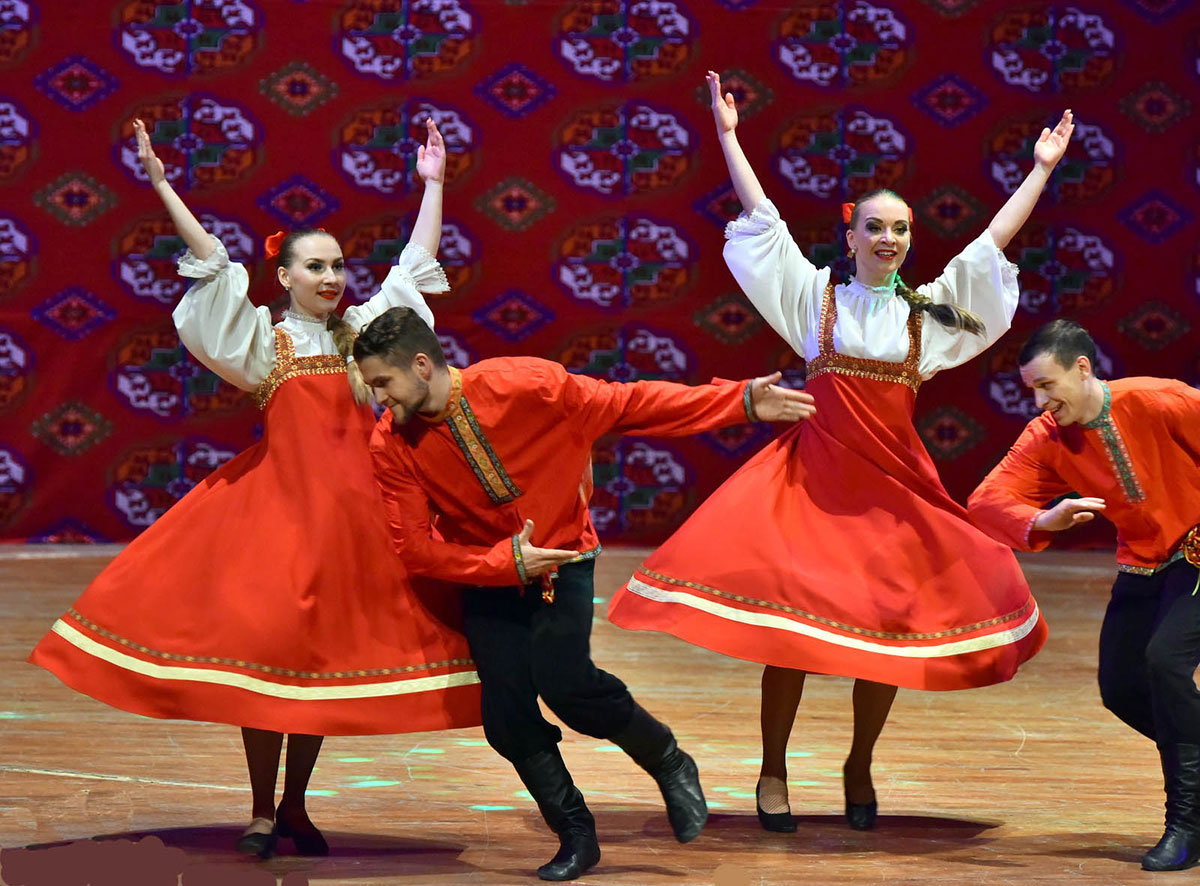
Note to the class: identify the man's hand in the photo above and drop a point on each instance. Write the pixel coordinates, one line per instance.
(773, 403)
(538, 561)
(1067, 513)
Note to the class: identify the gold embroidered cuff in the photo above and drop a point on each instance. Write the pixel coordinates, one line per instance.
(748, 402)
(519, 560)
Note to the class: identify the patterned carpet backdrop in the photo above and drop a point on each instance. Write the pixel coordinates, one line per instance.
(584, 205)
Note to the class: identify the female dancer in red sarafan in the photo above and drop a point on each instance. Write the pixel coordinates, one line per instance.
(835, 549)
(270, 596)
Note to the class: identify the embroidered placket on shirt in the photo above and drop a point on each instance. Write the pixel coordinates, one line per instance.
(473, 443)
(1114, 445)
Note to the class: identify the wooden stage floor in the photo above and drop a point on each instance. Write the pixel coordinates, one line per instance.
(1032, 782)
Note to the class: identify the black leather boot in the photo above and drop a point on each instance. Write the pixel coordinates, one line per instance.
(652, 746)
(561, 804)
(1179, 847)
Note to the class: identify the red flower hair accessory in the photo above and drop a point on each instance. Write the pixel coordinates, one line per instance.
(848, 211)
(272, 244)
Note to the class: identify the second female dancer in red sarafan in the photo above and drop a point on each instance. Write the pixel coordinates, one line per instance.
(269, 597)
(836, 550)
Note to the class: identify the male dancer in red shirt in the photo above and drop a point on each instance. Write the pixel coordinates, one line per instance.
(498, 451)
(1131, 448)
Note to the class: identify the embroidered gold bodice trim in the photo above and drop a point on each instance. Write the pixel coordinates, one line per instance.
(261, 668)
(288, 365)
(1016, 615)
(1114, 446)
(829, 360)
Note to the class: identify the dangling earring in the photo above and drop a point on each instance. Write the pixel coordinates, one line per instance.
(850, 252)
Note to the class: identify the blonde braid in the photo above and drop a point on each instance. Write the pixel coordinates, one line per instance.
(343, 338)
(950, 316)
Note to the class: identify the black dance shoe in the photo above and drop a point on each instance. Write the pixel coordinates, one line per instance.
(779, 822)
(652, 746)
(861, 816)
(258, 842)
(563, 807)
(578, 851)
(1179, 848)
(302, 832)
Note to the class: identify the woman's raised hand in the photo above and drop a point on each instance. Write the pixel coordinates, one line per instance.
(1051, 145)
(723, 108)
(431, 156)
(154, 167)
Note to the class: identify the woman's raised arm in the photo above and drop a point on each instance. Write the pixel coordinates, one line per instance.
(745, 182)
(1047, 152)
(431, 166)
(196, 238)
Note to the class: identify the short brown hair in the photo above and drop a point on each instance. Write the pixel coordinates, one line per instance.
(397, 336)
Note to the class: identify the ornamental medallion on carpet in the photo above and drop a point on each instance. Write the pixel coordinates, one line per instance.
(18, 31)
(376, 146)
(1052, 49)
(625, 41)
(16, 368)
(74, 313)
(188, 38)
(146, 480)
(146, 252)
(1063, 270)
(151, 372)
(1085, 174)
(17, 251)
(624, 149)
(618, 262)
(639, 488)
(202, 140)
(841, 153)
(394, 40)
(843, 44)
(76, 83)
(17, 134)
(626, 353)
(372, 247)
(16, 482)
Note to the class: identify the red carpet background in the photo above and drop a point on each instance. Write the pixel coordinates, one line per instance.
(585, 199)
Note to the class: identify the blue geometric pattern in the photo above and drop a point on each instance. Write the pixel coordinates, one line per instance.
(73, 313)
(298, 202)
(76, 83)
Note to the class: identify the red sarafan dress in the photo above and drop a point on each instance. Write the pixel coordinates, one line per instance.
(836, 548)
(270, 595)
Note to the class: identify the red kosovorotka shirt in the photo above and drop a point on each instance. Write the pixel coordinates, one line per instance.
(1141, 455)
(514, 444)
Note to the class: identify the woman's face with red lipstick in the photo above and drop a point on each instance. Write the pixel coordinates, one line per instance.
(880, 238)
(316, 277)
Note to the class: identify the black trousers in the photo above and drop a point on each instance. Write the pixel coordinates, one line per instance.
(1149, 652)
(524, 647)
